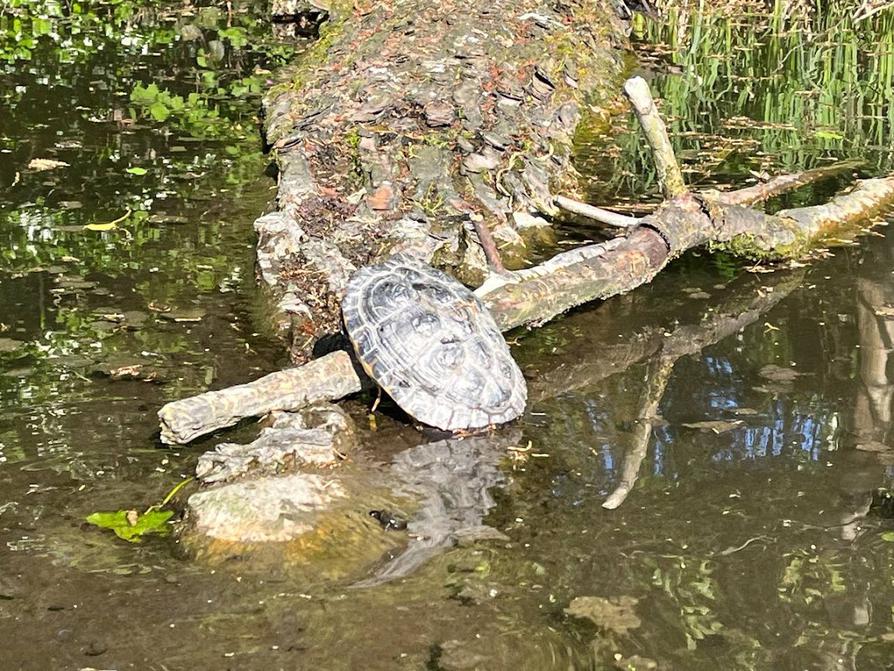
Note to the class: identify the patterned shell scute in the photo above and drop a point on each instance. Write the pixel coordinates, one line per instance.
(432, 345)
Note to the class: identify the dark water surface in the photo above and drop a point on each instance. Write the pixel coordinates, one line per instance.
(764, 541)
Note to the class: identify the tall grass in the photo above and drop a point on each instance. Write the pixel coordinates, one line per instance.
(748, 87)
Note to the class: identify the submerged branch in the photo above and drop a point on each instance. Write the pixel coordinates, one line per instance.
(486, 238)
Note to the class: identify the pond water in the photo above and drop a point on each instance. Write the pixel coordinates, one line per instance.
(760, 540)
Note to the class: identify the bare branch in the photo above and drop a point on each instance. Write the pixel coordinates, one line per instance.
(784, 183)
(595, 213)
(488, 244)
(669, 173)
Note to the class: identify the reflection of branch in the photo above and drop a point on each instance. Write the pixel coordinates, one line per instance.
(659, 373)
(598, 354)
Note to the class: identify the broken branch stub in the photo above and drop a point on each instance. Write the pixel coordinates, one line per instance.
(328, 378)
(595, 213)
(669, 174)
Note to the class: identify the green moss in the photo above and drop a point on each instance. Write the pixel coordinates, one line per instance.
(747, 246)
(352, 137)
(316, 55)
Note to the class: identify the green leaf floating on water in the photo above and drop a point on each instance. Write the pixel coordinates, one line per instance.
(136, 171)
(130, 525)
(888, 536)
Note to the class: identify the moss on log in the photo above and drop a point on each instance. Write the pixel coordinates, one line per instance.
(407, 121)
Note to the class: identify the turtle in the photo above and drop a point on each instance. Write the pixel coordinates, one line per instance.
(432, 345)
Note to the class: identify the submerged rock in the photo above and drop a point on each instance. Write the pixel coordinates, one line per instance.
(293, 517)
(10, 345)
(616, 614)
(432, 498)
(262, 511)
(457, 656)
(320, 435)
(313, 522)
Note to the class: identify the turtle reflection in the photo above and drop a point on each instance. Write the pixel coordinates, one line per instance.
(453, 479)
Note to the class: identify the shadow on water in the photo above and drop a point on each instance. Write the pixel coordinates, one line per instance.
(755, 408)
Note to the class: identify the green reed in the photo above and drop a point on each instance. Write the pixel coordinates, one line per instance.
(782, 89)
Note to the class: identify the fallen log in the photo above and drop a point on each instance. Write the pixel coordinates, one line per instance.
(428, 127)
(453, 477)
(592, 272)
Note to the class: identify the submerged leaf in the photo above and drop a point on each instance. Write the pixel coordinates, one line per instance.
(130, 525)
(159, 111)
(715, 425)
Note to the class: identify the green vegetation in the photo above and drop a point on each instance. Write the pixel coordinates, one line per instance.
(748, 92)
(126, 184)
(131, 526)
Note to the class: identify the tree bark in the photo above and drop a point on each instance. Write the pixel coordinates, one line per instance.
(538, 294)
(326, 379)
(424, 127)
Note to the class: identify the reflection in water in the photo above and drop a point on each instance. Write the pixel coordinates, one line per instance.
(875, 323)
(453, 480)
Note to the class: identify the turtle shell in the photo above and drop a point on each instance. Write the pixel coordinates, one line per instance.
(432, 345)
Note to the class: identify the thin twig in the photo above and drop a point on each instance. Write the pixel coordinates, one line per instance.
(733, 550)
(488, 243)
(595, 213)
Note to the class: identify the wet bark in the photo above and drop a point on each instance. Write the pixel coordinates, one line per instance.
(326, 379)
(600, 271)
(423, 127)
